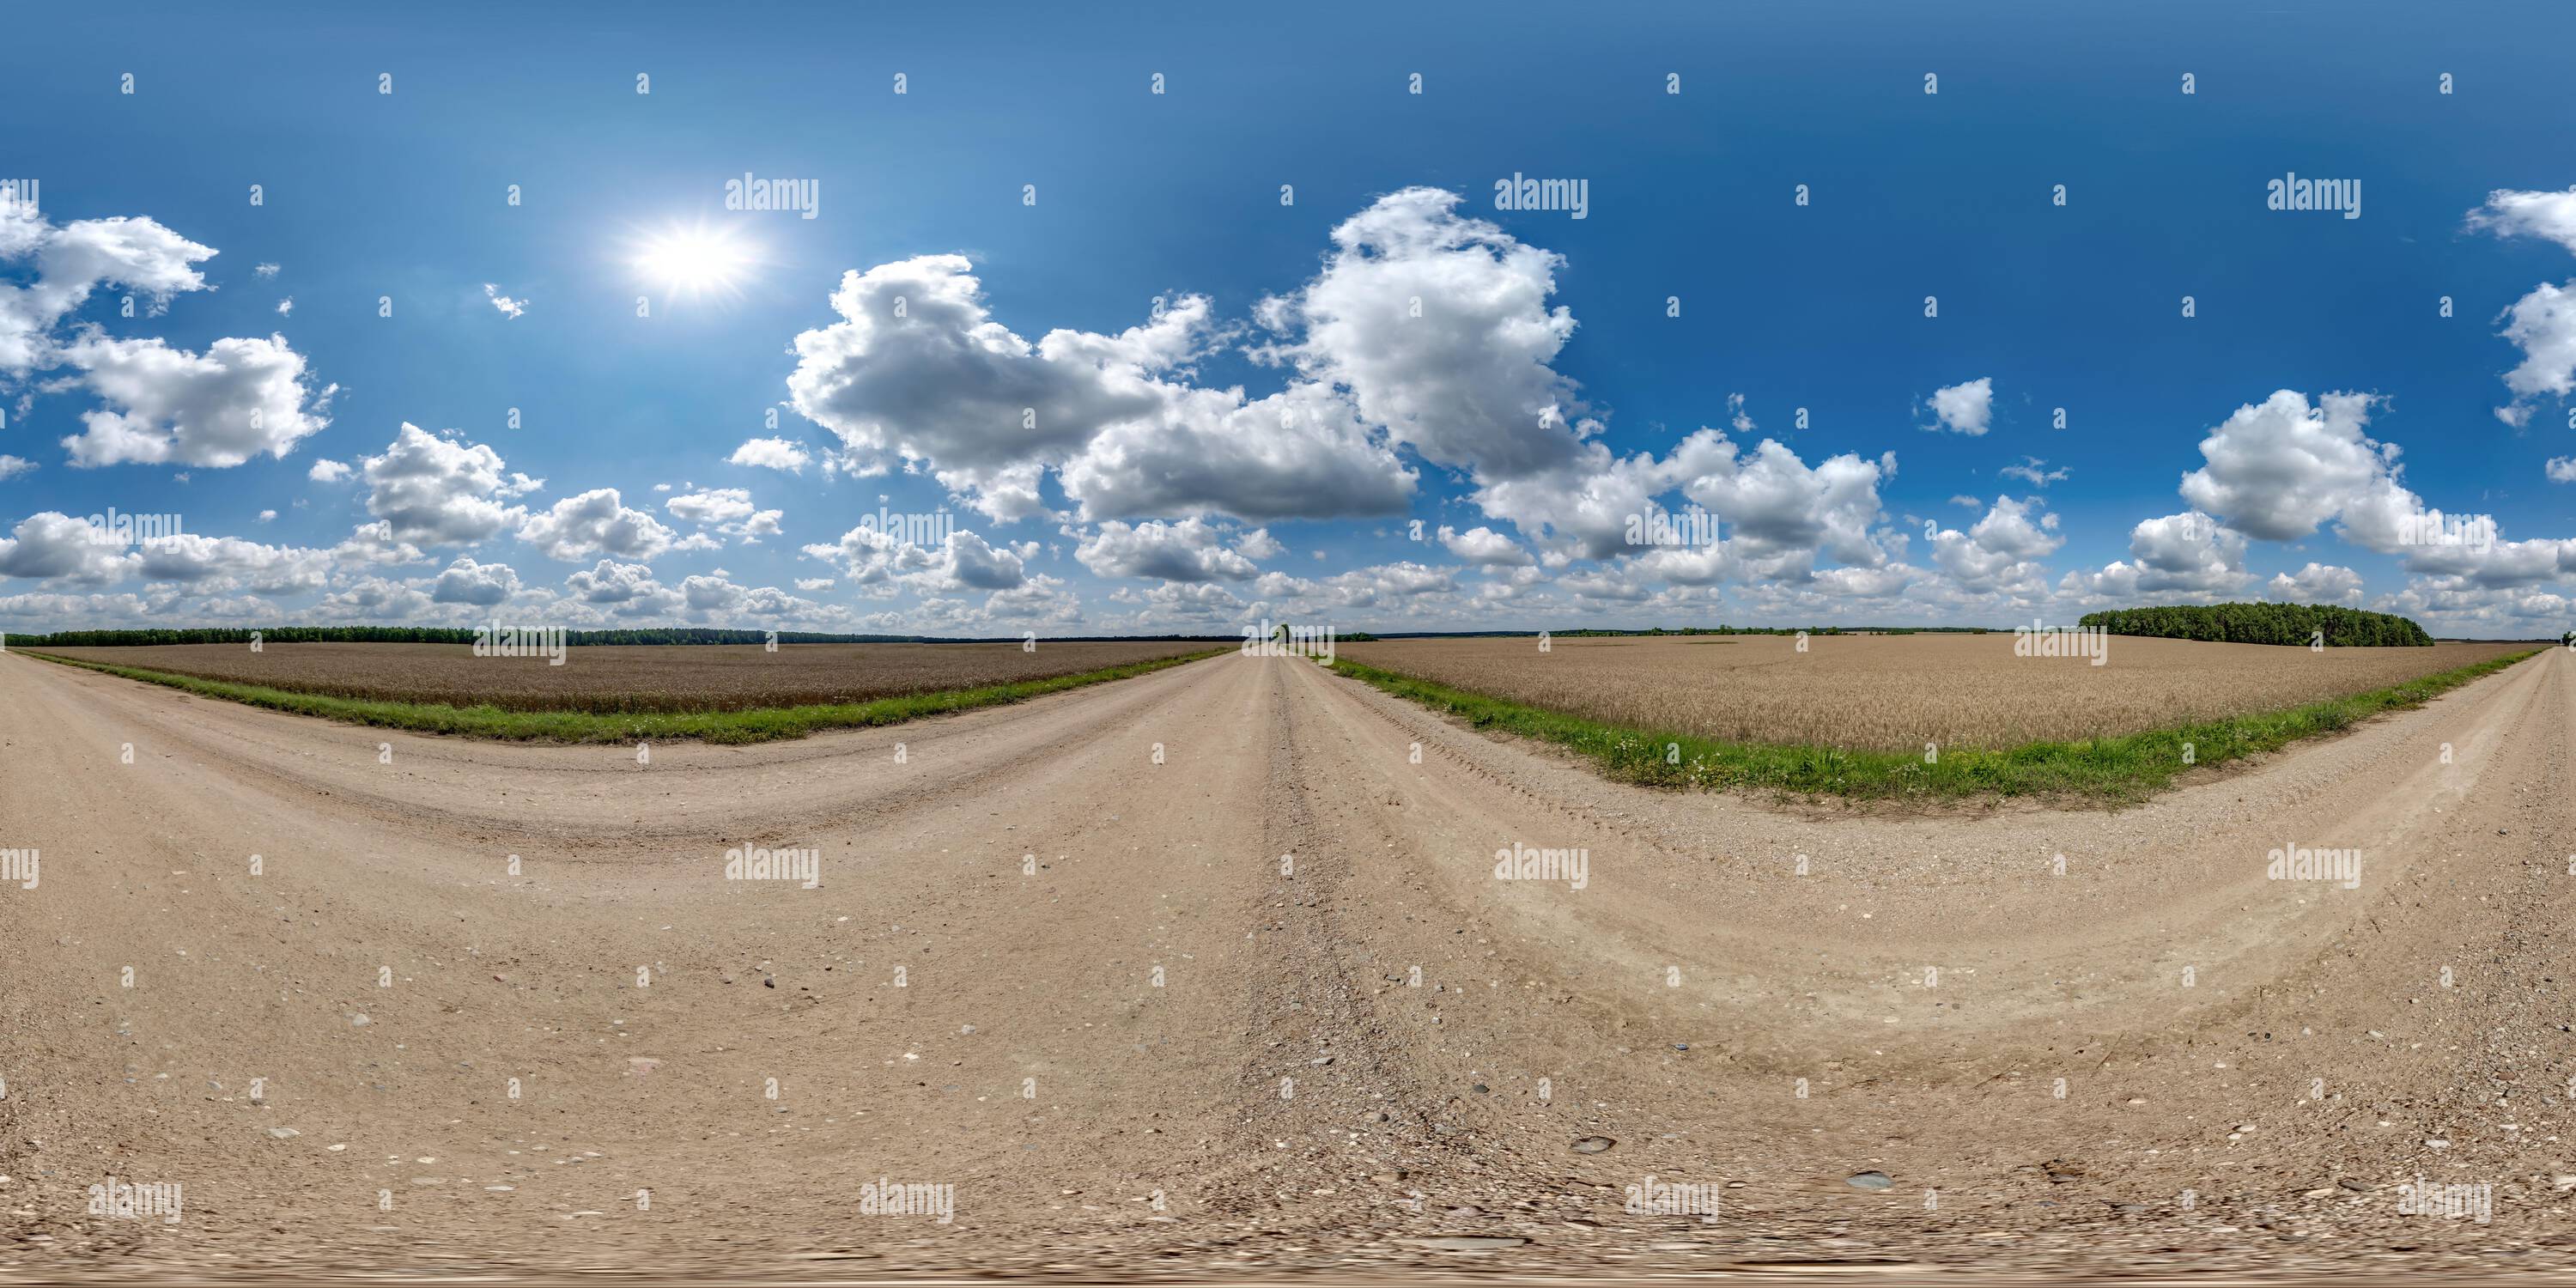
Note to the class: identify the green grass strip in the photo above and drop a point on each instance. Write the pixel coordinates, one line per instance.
(2112, 770)
(756, 725)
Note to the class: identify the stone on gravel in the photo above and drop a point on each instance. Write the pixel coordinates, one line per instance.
(1870, 1181)
(1593, 1144)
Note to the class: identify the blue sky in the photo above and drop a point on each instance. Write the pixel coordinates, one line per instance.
(1539, 392)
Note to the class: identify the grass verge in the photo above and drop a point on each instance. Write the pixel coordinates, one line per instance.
(760, 724)
(2114, 770)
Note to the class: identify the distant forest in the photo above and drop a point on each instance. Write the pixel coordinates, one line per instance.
(2264, 624)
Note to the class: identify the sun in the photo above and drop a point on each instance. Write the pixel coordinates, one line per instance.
(694, 261)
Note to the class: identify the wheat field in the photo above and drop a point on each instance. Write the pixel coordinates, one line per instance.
(1897, 692)
(620, 678)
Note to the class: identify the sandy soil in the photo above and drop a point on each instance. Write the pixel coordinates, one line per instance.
(1074, 983)
(1893, 692)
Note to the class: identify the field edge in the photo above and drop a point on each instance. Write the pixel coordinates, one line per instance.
(757, 724)
(2107, 771)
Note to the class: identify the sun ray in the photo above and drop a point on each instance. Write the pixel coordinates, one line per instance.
(694, 260)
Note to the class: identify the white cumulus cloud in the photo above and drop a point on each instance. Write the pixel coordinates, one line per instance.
(1964, 408)
(441, 491)
(772, 453)
(480, 584)
(2316, 584)
(1188, 551)
(52, 546)
(595, 523)
(238, 399)
(1481, 545)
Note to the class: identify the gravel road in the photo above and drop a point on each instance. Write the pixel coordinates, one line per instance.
(1210, 973)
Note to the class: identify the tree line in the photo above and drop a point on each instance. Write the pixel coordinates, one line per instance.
(2264, 624)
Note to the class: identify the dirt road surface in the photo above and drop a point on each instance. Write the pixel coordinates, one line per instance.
(1210, 974)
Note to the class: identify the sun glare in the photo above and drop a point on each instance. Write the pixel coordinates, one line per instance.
(693, 261)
